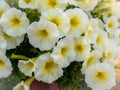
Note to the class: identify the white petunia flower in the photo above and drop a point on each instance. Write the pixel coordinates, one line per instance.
(93, 58)
(93, 27)
(101, 40)
(82, 48)
(5, 66)
(21, 86)
(100, 76)
(63, 54)
(43, 34)
(10, 42)
(27, 67)
(3, 7)
(109, 54)
(59, 18)
(78, 22)
(87, 5)
(112, 24)
(51, 4)
(27, 4)
(14, 22)
(46, 69)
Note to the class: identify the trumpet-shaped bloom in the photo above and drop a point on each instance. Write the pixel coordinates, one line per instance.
(64, 52)
(3, 7)
(87, 5)
(100, 76)
(101, 40)
(112, 24)
(78, 22)
(27, 67)
(93, 58)
(46, 69)
(51, 4)
(10, 42)
(14, 22)
(43, 34)
(21, 86)
(59, 18)
(109, 54)
(28, 4)
(5, 66)
(82, 48)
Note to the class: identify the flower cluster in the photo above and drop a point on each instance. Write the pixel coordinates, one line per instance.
(66, 31)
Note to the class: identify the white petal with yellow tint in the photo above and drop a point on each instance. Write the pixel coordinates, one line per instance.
(59, 18)
(28, 4)
(87, 5)
(3, 7)
(109, 54)
(82, 48)
(78, 22)
(63, 54)
(21, 86)
(26, 67)
(43, 34)
(112, 24)
(93, 58)
(14, 22)
(5, 66)
(46, 69)
(51, 4)
(100, 76)
(11, 42)
(101, 40)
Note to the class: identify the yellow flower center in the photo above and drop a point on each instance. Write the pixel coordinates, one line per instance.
(90, 61)
(22, 87)
(43, 33)
(27, 1)
(49, 66)
(2, 64)
(29, 65)
(80, 48)
(75, 21)
(15, 21)
(99, 40)
(63, 51)
(101, 76)
(6, 37)
(110, 25)
(1, 12)
(52, 3)
(56, 21)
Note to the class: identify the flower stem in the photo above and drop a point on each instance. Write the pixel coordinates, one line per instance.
(13, 56)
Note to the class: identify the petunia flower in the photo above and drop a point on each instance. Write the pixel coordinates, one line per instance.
(63, 54)
(14, 22)
(43, 34)
(46, 69)
(3, 7)
(27, 67)
(28, 4)
(59, 18)
(82, 48)
(78, 22)
(100, 76)
(5, 66)
(51, 4)
(92, 59)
